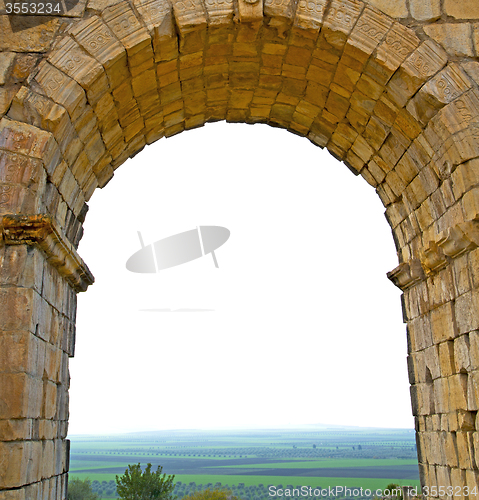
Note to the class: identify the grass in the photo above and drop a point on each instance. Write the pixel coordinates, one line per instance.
(324, 482)
(326, 463)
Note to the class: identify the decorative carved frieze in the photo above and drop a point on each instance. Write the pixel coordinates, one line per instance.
(309, 14)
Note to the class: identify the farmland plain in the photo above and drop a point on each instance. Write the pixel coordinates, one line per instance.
(248, 461)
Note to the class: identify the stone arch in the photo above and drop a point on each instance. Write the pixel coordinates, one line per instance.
(394, 97)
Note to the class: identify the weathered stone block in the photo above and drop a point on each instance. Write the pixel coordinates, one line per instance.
(21, 352)
(470, 203)
(62, 89)
(474, 349)
(309, 15)
(472, 479)
(40, 111)
(458, 391)
(21, 309)
(431, 360)
(95, 150)
(48, 462)
(456, 39)
(465, 177)
(189, 18)
(425, 62)
(461, 354)
(461, 274)
(62, 404)
(6, 66)
(122, 20)
(21, 396)
(425, 11)
(21, 265)
(466, 9)
(153, 12)
(60, 455)
(98, 40)
(446, 358)
(463, 450)
(144, 83)
(30, 141)
(340, 21)
(16, 429)
(466, 420)
(12, 464)
(413, 390)
(458, 479)
(443, 88)
(69, 57)
(459, 114)
(393, 8)
(467, 312)
(53, 361)
(472, 390)
(26, 34)
(398, 45)
(369, 31)
(442, 323)
(443, 476)
(451, 448)
(49, 399)
(221, 13)
(7, 93)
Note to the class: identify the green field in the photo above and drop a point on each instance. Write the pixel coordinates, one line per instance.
(250, 461)
(318, 464)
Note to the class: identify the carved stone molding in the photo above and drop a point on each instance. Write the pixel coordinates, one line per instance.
(449, 244)
(407, 274)
(41, 230)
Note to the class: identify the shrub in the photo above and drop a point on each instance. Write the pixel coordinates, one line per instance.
(210, 494)
(80, 490)
(136, 484)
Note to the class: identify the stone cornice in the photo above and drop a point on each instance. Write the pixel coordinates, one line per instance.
(449, 244)
(42, 231)
(407, 274)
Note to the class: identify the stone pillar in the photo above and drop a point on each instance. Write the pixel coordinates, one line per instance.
(441, 306)
(40, 274)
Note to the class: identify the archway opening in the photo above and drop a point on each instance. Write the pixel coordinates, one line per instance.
(299, 324)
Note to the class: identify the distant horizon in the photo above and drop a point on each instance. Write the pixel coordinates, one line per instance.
(234, 428)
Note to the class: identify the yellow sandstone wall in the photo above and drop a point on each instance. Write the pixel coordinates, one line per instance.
(389, 87)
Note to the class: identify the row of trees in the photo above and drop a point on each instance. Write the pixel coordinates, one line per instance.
(341, 451)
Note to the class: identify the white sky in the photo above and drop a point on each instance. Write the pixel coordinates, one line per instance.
(305, 327)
